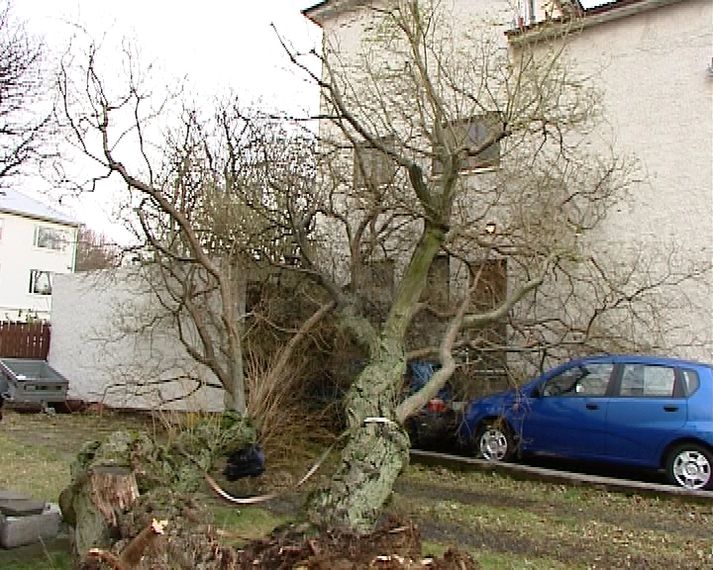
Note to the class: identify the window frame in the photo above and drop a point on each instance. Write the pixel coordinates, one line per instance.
(572, 391)
(471, 163)
(681, 390)
(38, 242)
(35, 275)
(685, 387)
(647, 383)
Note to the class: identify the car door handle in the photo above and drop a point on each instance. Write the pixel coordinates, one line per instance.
(670, 408)
(592, 406)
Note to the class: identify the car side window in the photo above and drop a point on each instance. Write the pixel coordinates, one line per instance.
(582, 380)
(640, 380)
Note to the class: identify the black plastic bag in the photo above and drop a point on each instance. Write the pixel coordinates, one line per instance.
(246, 462)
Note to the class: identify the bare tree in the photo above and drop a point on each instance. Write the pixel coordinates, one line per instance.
(200, 195)
(22, 124)
(95, 251)
(476, 156)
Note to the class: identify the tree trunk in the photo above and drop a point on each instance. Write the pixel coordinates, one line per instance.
(376, 452)
(234, 396)
(378, 447)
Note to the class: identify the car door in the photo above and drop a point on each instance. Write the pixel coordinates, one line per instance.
(648, 407)
(567, 415)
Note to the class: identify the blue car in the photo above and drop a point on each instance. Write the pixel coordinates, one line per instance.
(638, 411)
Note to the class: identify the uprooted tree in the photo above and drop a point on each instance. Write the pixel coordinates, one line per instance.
(434, 145)
(200, 197)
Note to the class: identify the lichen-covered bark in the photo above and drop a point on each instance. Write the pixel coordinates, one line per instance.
(374, 456)
(86, 512)
(377, 449)
(371, 464)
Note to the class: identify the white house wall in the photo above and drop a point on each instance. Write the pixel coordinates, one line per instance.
(19, 255)
(97, 345)
(651, 68)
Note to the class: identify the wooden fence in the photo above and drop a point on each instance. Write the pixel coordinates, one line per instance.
(24, 340)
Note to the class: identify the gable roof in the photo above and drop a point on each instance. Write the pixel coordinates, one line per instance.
(586, 14)
(14, 202)
(326, 8)
(590, 11)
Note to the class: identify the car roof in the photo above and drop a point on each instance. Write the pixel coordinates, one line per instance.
(640, 359)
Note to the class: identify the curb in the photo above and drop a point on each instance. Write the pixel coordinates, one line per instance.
(530, 473)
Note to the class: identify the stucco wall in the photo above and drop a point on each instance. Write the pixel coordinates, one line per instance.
(98, 344)
(657, 105)
(19, 255)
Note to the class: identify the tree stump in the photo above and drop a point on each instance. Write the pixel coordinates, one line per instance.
(95, 504)
(112, 489)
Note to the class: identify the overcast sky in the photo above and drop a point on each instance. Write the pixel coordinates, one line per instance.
(216, 46)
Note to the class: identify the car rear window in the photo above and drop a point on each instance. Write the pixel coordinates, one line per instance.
(690, 381)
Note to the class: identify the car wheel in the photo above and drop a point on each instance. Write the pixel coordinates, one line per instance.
(494, 442)
(690, 466)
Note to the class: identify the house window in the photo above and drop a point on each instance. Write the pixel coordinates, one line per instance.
(372, 167)
(51, 238)
(375, 279)
(373, 282)
(40, 282)
(489, 293)
(491, 289)
(470, 134)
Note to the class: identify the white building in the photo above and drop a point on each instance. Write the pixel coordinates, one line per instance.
(36, 242)
(651, 62)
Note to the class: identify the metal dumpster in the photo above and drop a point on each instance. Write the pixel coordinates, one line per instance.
(31, 381)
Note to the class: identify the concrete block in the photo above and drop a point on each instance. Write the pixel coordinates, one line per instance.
(16, 531)
(21, 507)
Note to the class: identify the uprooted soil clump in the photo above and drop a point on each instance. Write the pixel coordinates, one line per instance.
(396, 544)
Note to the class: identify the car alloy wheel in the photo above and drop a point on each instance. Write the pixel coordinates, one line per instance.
(690, 466)
(495, 443)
